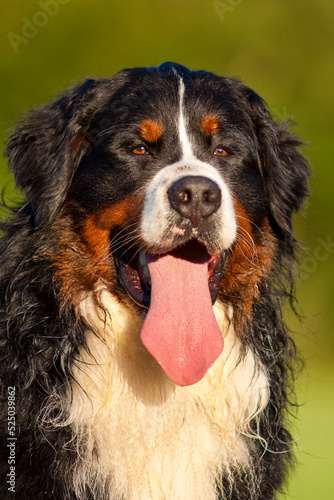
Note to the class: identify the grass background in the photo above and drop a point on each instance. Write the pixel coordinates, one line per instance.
(282, 49)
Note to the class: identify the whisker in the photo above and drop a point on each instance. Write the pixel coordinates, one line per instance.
(253, 224)
(126, 229)
(247, 239)
(133, 240)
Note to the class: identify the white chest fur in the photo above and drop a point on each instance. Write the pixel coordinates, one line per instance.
(146, 437)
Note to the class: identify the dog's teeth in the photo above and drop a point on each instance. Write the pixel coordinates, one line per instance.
(142, 258)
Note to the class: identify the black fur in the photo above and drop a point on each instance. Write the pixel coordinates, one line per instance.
(40, 333)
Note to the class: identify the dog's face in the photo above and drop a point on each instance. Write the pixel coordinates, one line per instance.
(169, 135)
(180, 183)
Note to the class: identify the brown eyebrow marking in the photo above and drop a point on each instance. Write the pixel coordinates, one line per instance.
(209, 125)
(150, 130)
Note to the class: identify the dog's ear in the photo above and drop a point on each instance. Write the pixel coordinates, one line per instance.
(44, 151)
(285, 170)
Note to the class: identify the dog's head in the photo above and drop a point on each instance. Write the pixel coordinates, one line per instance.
(184, 178)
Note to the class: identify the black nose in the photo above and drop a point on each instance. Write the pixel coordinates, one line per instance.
(194, 197)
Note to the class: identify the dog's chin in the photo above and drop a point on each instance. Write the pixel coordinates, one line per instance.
(134, 275)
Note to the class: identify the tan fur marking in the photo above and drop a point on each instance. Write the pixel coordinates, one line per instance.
(98, 226)
(250, 262)
(209, 125)
(76, 270)
(150, 130)
(82, 261)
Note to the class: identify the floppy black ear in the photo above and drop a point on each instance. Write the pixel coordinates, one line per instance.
(42, 151)
(285, 170)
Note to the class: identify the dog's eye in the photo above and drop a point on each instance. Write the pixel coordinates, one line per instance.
(220, 152)
(140, 150)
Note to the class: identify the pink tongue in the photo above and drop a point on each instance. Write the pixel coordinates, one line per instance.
(180, 329)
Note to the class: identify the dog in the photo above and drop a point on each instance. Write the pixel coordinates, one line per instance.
(143, 350)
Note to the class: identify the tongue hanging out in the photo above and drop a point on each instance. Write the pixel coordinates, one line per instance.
(180, 329)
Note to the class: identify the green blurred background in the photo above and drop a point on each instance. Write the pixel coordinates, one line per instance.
(284, 50)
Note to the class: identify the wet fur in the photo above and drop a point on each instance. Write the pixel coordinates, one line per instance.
(95, 415)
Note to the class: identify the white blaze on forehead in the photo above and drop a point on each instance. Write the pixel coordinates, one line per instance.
(187, 151)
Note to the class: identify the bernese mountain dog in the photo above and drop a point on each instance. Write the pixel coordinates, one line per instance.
(143, 351)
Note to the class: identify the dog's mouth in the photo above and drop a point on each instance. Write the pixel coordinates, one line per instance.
(133, 269)
(178, 288)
